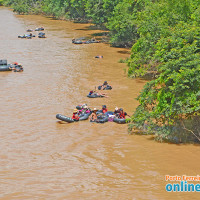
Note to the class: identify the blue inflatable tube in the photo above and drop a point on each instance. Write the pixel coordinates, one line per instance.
(77, 42)
(108, 87)
(84, 116)
(5, 68)
(102, 119)
(109, 113)
(39, 29)
(94, 96)
(119, 121)
(64, 118)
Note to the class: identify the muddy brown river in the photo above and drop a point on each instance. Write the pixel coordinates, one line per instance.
(41, 158)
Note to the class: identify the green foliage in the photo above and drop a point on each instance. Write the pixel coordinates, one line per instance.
(1, 2)
(174, 95)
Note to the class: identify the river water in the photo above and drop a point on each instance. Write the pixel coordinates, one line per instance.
(41, 158)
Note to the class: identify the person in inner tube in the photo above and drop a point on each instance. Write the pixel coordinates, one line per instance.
(85, 109)
(105, 84)
(18, 68)
(75, 116)
(93, 92)
(98, 56)
(93, 116)
(122, 114)
(13, 66)
(104, 109)
(116, 112)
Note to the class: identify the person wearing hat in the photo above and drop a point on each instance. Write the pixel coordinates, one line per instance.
(75, 116)
(104, 109)
(116, 111)
(93, 116)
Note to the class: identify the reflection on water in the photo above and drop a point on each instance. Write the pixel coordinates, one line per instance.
(43, 159)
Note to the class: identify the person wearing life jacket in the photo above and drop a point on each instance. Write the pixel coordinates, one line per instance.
(104, 109)
(122, 114)
(75, 116)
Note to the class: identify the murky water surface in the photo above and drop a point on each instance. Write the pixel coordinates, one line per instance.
(43, 159)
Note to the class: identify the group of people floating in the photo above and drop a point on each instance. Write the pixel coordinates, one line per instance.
(100, 116)
(95, 94)
(82, 41)
(16, 67)
(83, 112)
(30, 35)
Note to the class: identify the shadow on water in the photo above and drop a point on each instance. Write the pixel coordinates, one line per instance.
(92, 27)
(124, 52)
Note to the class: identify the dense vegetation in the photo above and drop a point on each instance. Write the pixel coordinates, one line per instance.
(1, 2)
(165, 40)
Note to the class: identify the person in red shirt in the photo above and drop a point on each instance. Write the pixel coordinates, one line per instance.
(104, 109)
(75, 116)
(122, 114)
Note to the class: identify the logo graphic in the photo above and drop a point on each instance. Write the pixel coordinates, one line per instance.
(184, 184)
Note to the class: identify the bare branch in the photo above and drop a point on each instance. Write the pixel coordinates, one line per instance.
(190, 131)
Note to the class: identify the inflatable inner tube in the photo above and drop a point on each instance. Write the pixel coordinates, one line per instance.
(94, 96)
(29, 36)
(84, 116)
(92, 41)
(99, 112)
(39, 29)
(18, 68)
(41, 35)
(98, 56)
(79, 107)
(119, 121)
(108, 87)
(102, 119)
(5, 68)
(78, 42)
(64, 118)
(21, 36)
(109, 113)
